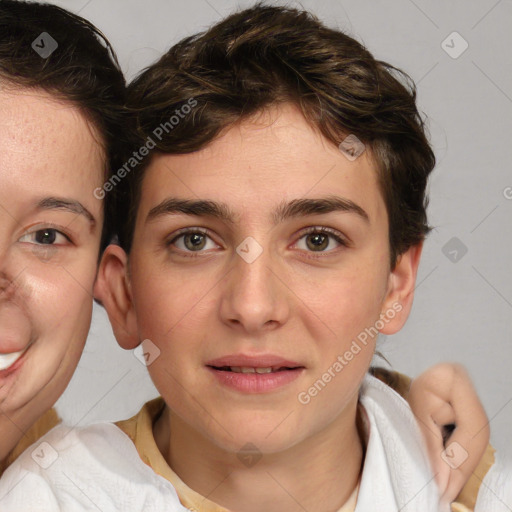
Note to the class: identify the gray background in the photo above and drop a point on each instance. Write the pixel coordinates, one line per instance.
(463, 308)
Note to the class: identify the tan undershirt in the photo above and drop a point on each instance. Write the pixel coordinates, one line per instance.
(43, 425)
(140, 430)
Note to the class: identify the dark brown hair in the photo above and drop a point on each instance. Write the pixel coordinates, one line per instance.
(267, 55)
(83, 70)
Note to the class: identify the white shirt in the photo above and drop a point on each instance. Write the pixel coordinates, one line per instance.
(98, 468)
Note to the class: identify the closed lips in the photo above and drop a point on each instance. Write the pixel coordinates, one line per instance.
(252, 369)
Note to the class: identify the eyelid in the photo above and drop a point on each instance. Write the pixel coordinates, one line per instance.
(189, 230)
(337, 235)
(183, 231)
(47, 225)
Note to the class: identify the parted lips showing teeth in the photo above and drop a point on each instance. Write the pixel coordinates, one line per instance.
(250, 369)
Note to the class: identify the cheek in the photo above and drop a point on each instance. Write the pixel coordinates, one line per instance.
(60, 302)
(59, 309)
(167, 300)
(344, 302)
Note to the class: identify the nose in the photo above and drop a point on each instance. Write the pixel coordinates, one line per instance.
(255, 299)
(6, 286)
(9, 270)
(4, 282)
(10, 261)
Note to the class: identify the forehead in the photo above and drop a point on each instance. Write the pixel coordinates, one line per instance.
(274, 156)
(48, 143)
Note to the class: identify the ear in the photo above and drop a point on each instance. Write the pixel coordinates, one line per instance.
(400, 294)
(112, 289)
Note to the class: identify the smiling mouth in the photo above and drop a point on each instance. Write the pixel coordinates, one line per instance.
(7, 360)
(251, 369)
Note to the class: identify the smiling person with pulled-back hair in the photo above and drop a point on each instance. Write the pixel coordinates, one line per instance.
(62, 98)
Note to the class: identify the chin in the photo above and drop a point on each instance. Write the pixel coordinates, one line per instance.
(270, 437)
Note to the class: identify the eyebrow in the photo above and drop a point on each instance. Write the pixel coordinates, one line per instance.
(303, 207)
(57, 203)
(286, 210)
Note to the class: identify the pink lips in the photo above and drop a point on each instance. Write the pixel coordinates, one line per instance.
(254, 374)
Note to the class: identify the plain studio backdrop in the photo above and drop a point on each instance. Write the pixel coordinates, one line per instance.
(458, 53)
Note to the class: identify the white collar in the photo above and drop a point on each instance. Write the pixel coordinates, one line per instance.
(396, 472)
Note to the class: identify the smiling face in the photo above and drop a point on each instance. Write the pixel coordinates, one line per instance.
(50, 227)
(256, 262)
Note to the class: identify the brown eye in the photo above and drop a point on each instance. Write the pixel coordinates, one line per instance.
(46, 236)
(317, 241)
(321, 239)
(194, 241)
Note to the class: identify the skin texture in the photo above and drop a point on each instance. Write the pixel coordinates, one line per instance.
(292, 301)
(47, 150)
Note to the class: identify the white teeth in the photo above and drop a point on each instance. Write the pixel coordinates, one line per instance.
(263, 370)
(7, 360)
(249, 369)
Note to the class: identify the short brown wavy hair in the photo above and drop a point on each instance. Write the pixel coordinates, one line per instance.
(83, 70)
(266, 55)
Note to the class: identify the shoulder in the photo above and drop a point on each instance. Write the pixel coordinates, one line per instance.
(397, 381)
(45, 423)
(488, 474)
(495, 493)
(77, 469)
(396, 465)
(143, 420)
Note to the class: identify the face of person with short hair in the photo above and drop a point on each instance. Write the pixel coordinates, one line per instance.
(258, 264)
(50, 228)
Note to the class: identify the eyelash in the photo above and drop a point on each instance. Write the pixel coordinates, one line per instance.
(322, 230)
(336, 235)
(188, 231)
(47, 227)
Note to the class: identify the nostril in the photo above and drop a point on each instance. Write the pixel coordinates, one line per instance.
(4, 282)
(6, 285)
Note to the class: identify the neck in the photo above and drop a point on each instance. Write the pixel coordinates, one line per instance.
(12, 430)
(319, 473)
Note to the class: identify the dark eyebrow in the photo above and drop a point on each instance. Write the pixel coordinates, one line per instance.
(57, 203)
(294, 208)
(201, 208)
(303, 207)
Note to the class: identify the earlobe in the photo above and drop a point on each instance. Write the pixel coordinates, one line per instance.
(399, 298)
(112, 290)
